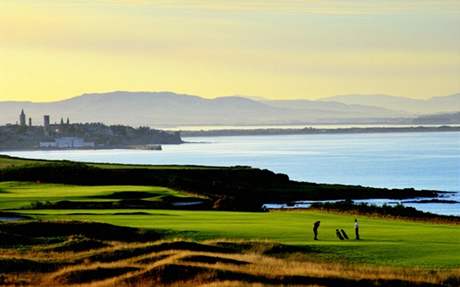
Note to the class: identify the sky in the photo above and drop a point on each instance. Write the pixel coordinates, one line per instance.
(283, 49)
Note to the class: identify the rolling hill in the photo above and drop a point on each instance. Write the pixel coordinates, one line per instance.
(163, 109)
(443, 104)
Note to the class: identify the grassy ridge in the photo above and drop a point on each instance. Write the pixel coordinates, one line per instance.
(233, 188)
(9, 162)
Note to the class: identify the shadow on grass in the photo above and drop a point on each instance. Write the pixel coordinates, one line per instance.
(119, 213)
(171, 273)
(78, 244)
(94, 274)
(125, 253)
(92, 230)
(127, 195)
(14, 265)
(213, 260)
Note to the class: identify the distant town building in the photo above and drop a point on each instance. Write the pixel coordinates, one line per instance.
(67, 143)
(46, 121)
(22, 118)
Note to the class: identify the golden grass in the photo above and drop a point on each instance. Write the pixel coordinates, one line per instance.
(173, 267)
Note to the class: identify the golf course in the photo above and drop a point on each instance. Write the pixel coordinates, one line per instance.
(58, 232)
(384, 242)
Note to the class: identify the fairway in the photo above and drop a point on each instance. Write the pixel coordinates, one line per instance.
(385, 242)
(14, 195)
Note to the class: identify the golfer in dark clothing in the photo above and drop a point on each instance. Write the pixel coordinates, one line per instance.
(356, 229)
(315, 229)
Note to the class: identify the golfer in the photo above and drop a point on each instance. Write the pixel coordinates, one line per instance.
(356, 229)
(315, 229)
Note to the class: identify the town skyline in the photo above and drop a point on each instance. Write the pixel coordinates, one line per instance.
(25, 120)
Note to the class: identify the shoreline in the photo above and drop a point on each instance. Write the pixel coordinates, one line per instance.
(315, 131)
(154, 147)
(421, 204)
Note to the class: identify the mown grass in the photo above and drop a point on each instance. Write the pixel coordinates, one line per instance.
(384, 241)
(7, 162)
(14, 195)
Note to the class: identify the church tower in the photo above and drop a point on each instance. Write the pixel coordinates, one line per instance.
(22, 119)
(46, 121)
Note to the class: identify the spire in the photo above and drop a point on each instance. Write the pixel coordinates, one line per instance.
(22, 118)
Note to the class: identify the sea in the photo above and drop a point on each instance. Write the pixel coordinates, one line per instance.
(426, 160)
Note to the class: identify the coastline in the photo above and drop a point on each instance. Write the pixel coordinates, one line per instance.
(313, 131)
(154, 147)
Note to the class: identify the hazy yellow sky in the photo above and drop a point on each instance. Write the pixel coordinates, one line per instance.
(57, 49)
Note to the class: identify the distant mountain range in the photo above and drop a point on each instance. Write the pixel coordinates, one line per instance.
(167, 109)
(436, 119)
(444, 104)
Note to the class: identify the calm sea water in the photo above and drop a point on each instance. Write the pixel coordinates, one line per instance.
(418, 160)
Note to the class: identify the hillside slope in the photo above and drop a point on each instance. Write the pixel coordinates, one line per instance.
(430, 106)
(162, 109)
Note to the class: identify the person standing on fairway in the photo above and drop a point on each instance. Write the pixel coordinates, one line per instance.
(356, 229)
(315, 229)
